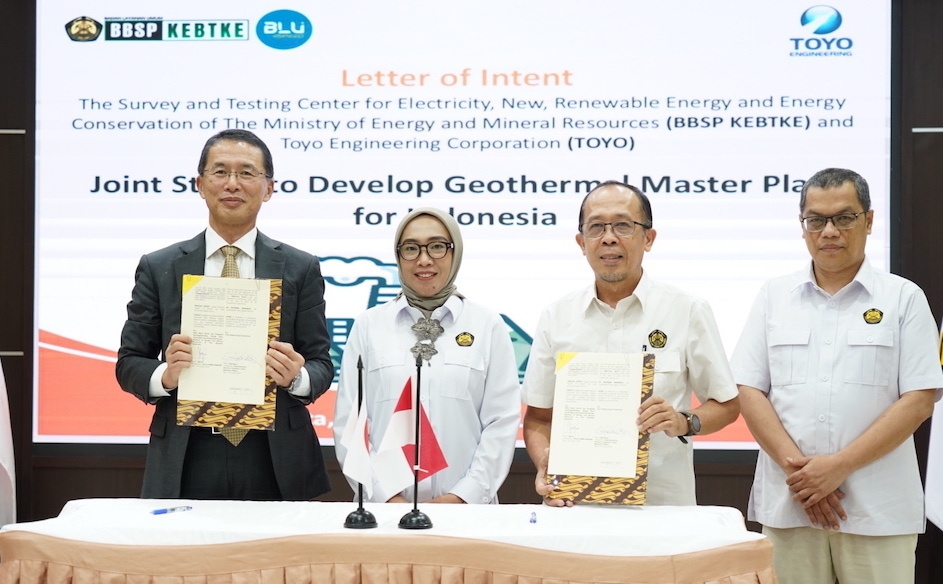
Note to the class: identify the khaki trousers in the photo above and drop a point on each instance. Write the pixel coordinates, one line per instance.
(806, 555)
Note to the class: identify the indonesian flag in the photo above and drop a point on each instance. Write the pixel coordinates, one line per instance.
(356, 439)
(934, 486)
(395, 458)
(934, 482)
(7, 470)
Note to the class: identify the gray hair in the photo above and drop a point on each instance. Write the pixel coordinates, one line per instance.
(836, 177)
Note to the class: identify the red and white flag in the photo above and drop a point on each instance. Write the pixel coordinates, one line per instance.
(934, 482)
(395, 457)
(356, 439)
(7, 469)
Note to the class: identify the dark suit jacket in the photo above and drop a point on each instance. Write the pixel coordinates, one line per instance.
(154, 315)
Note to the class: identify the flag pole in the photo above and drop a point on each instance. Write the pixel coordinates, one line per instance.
(361, 518)
(416, 519)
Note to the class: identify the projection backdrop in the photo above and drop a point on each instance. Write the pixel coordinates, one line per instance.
(502, 113)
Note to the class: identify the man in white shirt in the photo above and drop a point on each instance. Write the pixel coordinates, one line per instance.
(837, 367)
(624, 311)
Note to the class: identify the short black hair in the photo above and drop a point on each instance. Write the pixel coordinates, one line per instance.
(836, 177)
(238, 136)
(642, 197)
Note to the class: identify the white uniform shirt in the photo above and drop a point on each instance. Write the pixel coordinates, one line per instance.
(471, 393)
(830, 369)
(693, 358)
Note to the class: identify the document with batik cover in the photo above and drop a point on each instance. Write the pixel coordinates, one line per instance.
(597, 454)
(243, 413)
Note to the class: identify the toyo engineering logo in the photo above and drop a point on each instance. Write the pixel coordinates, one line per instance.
(821, 19)
(284, 29)
(818, 22)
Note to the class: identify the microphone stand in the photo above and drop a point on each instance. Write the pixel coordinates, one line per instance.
(361, 518)
(416, 519)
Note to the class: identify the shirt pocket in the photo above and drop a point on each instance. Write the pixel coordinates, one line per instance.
(667, 362)
(667, 371)
(388, 372)
(870, 356)
(788, 355)
(464, 376)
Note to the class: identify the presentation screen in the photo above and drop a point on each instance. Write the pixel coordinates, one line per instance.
(503, 114)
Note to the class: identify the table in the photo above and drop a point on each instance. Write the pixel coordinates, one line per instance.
(218, 542)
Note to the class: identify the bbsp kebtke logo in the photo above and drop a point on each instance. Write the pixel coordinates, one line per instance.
(83, 29)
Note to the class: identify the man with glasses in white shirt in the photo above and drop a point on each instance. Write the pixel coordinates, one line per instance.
(837, 366)
(625, 311)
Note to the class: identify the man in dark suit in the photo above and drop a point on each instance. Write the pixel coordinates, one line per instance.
(235, 178)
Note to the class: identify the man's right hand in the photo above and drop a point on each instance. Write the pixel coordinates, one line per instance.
(828, 511)
(544, 488)
(179, 355)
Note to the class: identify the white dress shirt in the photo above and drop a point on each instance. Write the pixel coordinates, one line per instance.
(471, 393)
(831, 365)
(693, 359)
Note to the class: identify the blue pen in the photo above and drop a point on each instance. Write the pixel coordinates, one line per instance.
(170, 510)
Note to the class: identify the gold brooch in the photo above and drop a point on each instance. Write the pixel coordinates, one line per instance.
(873, 316)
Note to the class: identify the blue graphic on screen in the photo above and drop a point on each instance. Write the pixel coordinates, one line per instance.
(821, 19)
(379, 282)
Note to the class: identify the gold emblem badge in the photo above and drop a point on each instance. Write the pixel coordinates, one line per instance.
(83, 29)
(657, 339)
(873, 316)
(465, 339)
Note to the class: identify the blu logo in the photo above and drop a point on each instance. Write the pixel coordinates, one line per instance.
(284, 29)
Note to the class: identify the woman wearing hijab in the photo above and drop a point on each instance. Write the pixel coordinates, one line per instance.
(469, 386)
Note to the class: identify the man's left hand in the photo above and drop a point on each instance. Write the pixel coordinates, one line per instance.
(282, 363)
(657, 415)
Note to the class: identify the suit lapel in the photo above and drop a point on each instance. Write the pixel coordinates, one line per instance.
(269, 258)
(192, 258)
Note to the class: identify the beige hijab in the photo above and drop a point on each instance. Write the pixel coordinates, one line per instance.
(429, 303)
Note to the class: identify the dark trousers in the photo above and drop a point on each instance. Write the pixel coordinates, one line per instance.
(215, 469)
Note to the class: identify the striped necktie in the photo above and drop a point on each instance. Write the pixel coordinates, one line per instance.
(231, 270)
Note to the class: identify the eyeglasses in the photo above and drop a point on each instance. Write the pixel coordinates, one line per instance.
(243, 176)
(620, 228)
(844, 222)
(436, 250)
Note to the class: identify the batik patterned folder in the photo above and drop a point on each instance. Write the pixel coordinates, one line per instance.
(234, 415)
(614, 490)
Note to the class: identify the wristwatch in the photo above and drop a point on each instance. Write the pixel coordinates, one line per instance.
(294, 382)
(694, 423)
